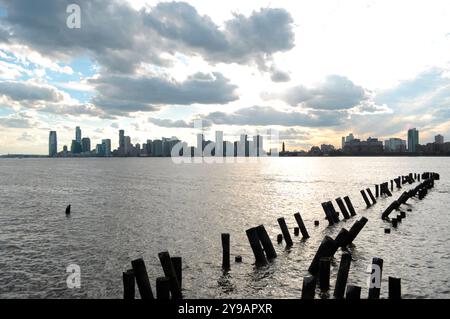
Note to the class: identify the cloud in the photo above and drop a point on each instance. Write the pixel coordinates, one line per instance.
(335, 92)
(120, 38)
(266, 115)
(279, 76)
(122, 95)
(179, 123)
(16, 121)
(28, 91)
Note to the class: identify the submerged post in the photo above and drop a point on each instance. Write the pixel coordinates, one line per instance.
(169, 271)
(68, 209)
(225, 251)
(350, 206)
(177, 264)
(128, 284)
(365, 198)
(162, 288)
(353, 292)
(342, 276)
(395, 287)
(309, 287)
(374, 201)
(266, 242)
(279, 238)
(143, 283)
(301, 225)
(375, 278)
(342, 207)
(377, 190)
(285, 231)
(327, 248)
(324, 273)
(252, 235)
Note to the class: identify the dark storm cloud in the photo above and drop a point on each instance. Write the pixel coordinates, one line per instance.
(30, 92)
(120, 38)
(126, 94)
(334, 93)
(265, 115)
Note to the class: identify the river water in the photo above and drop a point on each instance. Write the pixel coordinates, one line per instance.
(125, 208)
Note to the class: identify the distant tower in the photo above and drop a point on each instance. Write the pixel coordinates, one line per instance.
(283, 149)
(78, 134)
(439, 139)
(52, 144)
(413, 140)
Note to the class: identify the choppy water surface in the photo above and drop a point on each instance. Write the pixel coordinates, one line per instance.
(126, 208)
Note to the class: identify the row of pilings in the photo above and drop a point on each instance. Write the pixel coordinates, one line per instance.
(170, 286)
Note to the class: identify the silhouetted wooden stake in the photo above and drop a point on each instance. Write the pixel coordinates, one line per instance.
(395, 288)
(225, 251)
(169, 272)
(252, 235)
(394, 222)
(324, 273)
(128, 285)
(279, 238)
(316, 223)
(355, 230)
(402, 214)
(351, 209)
(377, 190)
(285, 231)
(296, 231)
(374, 201)
(327, 248)
(387, 230)
(399, 218)
(328, 215)
(365, 198)
(266, 243)
(394, 205)
(178, 266)
(238, 259)
(377, 270)
(309, 287)
(341, 238)
(163, 288)
(392, 185)
(353, 292)
(143, 283)
(334, 214)
(342, 276)
(68, 209)
(342, 207)
(301, 225)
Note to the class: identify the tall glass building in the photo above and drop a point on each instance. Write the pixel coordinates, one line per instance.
(413, 140)
(52, 144)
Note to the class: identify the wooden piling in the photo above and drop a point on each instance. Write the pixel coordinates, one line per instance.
(279, 238)
(353, 292)
(163, 288)
(252, 235)
(327, 248)
(225, 251)
(285, 231)
(316, 223)
(309, 287)
(169, 271)
(392, 185)
(266, 242)
(324, 273)
(402, 214)
(68, 209)
(301, 225)
(355, 230)
(374, 291)
(377, 190)
(394, 205)
(350, 207)
(341, 238)
(328, 214)
(143, 283)
(334, 214)
(374, 201)
(296, 231)
(342, 276)
(342, 207)
(128, 284)
(365, 198)
(387, 230)
(394, 222)
(178, 266)
(238, 259)
(395, 288)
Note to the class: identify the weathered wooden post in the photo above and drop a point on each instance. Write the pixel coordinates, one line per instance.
(285, 231)
(392, 185)
(394, 222)
(353, 292)
(328, 214)
(402, 214)
(301, 225)
(375, 276)
(342, 276)
(238, 259)
(309, 287)
(252, 235)
(365, 198)
(394, 205)
(395, 287)
(374, 201)
(163, 288)
(279, 238)
(266, 242)
(355, 230)
(341, 238)
(169, 272)
(342, 207)
(327, 248)
(334, 214)
(324, 273)
(143, 283)
(296, 231)
(350, 206)
(68, 209)
(316, 223)
(387, 230)
(177, 265)
(377, 190)
(128, 284)
(225, 251)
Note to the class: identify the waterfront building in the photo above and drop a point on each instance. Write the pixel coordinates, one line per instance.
(85, 144)
(106, 144)
(52, 144)
(395, 145)
(413, 140)
(439, 139)
(78, 135)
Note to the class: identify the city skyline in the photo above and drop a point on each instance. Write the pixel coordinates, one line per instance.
(302, 68)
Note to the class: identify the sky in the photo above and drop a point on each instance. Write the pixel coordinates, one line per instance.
(312, 70)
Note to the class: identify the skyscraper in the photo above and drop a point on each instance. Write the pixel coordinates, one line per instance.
(106, 145)
(85, 144)
(78, 134)
(121, 140)
(413, 140)
(52, 144)
(219, 144)
(439, 139)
